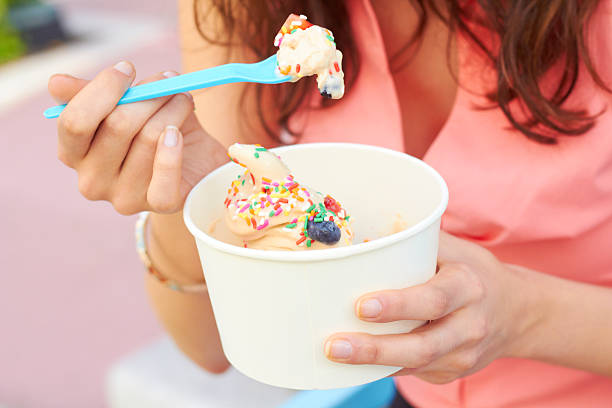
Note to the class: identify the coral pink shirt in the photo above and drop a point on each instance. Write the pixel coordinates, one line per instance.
(548, 208)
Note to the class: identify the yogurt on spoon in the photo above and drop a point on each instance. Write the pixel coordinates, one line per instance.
(305, 49)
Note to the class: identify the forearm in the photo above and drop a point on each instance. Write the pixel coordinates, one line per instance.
(572, 325)
(188, 318)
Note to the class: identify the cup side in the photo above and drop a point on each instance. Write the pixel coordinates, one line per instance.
(274, 317)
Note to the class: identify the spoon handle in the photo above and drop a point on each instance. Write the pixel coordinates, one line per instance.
(219, 75)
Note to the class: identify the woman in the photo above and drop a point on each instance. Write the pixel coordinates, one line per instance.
(506, 99)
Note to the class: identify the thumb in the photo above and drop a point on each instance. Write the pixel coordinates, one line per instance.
(163, 194)
(63, 87)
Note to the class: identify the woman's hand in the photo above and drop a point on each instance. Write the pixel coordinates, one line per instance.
(478, 307)
(138, 156)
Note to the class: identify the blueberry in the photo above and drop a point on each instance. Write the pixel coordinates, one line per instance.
(326, 94)
(326, 232)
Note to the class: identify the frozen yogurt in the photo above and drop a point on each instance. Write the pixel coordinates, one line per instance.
(267, 208)
(305, 49)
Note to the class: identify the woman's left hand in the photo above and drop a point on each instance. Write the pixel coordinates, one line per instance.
(478, 307)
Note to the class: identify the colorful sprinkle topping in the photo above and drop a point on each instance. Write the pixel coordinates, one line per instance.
(267, 203)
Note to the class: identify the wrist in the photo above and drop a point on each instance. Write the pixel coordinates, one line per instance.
(536, 307)
(172, 249)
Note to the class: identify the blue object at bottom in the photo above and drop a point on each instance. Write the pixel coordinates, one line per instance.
(378, 394)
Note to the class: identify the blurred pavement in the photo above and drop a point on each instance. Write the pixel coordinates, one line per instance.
(71, 297)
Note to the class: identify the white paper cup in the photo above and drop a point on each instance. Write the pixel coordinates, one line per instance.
(274, 309)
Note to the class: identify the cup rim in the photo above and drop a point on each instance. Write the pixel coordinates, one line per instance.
(320, 254)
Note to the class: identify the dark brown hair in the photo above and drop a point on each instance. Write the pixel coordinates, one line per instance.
(533, 35)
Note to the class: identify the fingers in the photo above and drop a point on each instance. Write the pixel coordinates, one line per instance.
(112, 140)
(83, 114)
(63, 87)
(163, 194)
(411, 350)
(454, 286)
(136, 171)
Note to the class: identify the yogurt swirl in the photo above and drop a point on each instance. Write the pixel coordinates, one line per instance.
(267, 208)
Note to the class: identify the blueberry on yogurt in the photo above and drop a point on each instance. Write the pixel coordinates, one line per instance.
(326, 232)
(332, 87)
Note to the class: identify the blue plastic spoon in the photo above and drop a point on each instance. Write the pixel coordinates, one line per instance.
(263, 72)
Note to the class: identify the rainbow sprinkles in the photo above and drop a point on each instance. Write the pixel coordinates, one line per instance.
(259, 203)
(305, 49)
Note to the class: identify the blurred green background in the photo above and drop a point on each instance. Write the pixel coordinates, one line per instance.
(27, 26)
(11, 44)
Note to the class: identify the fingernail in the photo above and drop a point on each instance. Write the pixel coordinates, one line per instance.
(171, 136)
(170, 74)
(370, 308)
(339, 349)
(187, 94)
(124, 67)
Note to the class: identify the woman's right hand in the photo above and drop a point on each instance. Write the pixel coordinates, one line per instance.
(139, 156)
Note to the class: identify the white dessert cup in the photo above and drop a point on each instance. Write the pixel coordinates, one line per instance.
(274, 309)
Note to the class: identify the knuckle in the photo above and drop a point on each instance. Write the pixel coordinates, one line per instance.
(439, 302)
(461, 269)
(395, 302)
(479, 329)
(369, 353)
(426, 352)
(148, 136)
(72, 122)
(479, 289)
(146, 139)
(164, 205)
(471, 279)
(465, 362)
(125, 206)
(90, 188)
(117, 123)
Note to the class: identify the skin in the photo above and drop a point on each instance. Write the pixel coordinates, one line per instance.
(482, 309)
